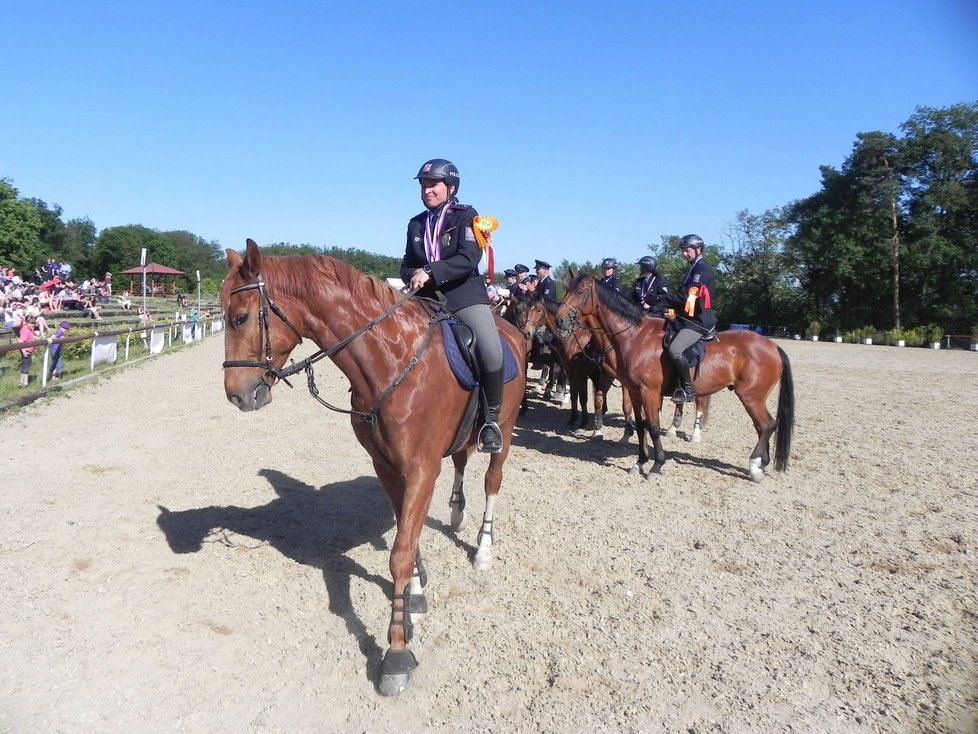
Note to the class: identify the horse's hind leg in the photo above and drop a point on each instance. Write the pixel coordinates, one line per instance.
(457, 502)
(764, 424)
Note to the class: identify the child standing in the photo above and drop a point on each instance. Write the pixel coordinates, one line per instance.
(57, 363)
(26, 353)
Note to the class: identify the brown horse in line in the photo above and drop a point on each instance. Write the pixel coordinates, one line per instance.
(592, 350)
(585, 359)
(741, 361)
(609, 364)
(407, 406)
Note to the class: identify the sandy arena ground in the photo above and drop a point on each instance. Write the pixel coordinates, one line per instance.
(168, 564)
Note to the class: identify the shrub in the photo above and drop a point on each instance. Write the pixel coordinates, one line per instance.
(894, 335)
(934, 333)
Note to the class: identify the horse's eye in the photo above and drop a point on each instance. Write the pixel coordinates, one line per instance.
(240, 319)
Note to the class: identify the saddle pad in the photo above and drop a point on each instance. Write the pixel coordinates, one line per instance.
(458, 364)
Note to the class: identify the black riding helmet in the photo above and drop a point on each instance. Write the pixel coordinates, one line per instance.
(691, 240)
(648, 264)
(439, 169)
(609, 262)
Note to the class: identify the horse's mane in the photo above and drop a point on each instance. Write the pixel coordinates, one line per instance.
(611, 298)
(298, 275)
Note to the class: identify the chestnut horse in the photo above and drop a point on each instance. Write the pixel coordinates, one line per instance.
(741, 361)
(407, 406)
(586, 360)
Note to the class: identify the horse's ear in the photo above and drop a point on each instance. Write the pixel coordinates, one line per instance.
(252, 261)
(233, 257)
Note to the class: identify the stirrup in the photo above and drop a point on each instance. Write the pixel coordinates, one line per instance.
(683, 396)
(490, 438)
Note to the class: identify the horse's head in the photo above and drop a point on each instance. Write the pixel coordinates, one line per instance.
(256, 343)
(578, 302)
(531, 316)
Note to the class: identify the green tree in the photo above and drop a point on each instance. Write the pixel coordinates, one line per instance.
(118, 249)
(20, 231)
(941, 204)
(192, 253)
(79, 239)
(846, 243)
(757, 286)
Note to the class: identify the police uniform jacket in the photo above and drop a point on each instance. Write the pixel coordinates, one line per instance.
(612, 282)
(455, 273)
(700, 276)
(653, 291)
(547, 289)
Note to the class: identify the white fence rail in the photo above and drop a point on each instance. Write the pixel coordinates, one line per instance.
(104, 348)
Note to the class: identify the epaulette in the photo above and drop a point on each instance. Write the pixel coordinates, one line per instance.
(460, 207)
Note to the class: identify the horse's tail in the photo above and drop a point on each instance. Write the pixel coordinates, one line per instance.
(786, 415)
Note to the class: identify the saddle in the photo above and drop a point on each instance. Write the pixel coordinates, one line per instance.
(459, 345)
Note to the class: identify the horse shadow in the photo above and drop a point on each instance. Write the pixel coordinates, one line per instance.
(314, 527)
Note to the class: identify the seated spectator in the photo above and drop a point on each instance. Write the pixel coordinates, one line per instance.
(40, 324)
(91, 307)
(11, 318)
(125, 301)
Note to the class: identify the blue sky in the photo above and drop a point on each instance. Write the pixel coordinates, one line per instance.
(588, 129)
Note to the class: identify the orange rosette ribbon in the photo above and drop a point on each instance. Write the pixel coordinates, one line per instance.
(484, 227)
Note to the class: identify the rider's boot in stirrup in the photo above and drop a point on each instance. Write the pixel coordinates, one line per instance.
(684, 393)
(490, 437)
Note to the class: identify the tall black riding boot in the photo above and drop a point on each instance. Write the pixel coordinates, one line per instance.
(684, 393)
(490, 437)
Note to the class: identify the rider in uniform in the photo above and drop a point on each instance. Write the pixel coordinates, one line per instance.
(610, 278)
(650, 287)
(546, 286)
(442, 254)
(693, 312)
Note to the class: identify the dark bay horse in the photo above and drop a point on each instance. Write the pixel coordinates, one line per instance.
(742, 361)
(407, 406)
(587, 360)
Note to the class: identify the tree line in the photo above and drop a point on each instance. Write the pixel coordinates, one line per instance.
(890, 240)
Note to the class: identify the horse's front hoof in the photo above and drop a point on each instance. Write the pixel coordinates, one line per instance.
(635, 471)
(670, 432)
(655, 470)
(580, 433)
(395, 671)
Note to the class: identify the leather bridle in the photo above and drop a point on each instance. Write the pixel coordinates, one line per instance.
(266, 303)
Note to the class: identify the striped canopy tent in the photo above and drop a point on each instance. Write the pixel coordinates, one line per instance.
(160, 280)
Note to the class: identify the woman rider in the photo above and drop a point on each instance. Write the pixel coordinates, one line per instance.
(442, 254)
(650, 287)
(609, 266)
(693, 314)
